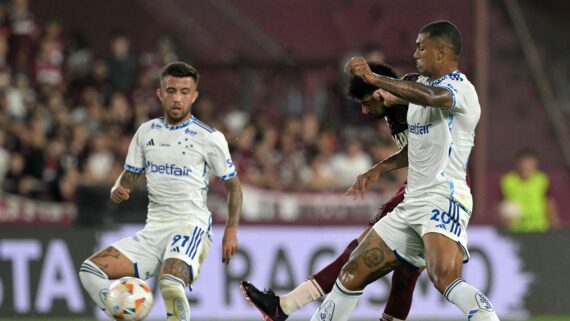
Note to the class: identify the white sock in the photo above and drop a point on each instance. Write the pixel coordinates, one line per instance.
(303, 294)
(386, 317)
(338, 305)
(175, 301)
(471, 301)
(95, 282)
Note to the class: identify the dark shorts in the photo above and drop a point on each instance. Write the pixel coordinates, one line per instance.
(388, 206)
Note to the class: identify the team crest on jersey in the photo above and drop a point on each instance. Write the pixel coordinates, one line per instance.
(190, 132)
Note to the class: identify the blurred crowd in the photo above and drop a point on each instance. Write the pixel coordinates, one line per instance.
(67, 115)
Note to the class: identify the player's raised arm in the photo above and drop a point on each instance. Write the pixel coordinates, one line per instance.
(230, 241)
(123, 186)
(395, 161)
(407, 90)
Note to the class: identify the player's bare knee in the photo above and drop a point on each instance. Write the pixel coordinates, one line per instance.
(177, 268)
(109, 252)
(114, 263)
(441, 275)
(349, 275)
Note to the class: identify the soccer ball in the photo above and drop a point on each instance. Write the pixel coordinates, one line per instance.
(509, 211)
(129, 299)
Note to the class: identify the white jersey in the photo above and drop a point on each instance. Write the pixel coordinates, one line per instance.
(440, 141)
(177, 161)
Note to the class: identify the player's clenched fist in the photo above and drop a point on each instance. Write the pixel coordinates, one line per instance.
(358, 66)
(119, 193)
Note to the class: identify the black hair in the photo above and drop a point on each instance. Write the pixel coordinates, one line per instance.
(117, 34)
(358, 89)
(446, 31)
(180, 69)
(526, 153)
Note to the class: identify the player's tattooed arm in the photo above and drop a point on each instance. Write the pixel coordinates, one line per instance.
(235, 199)
(391, 100)
(363, 181)
(414, 92)
(123, 186)
(230, 242)
(410, 91)
(128, 179)
(394, 161)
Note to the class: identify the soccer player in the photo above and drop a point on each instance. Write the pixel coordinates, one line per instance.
(429, 227)
(278, 308)
(176, 154)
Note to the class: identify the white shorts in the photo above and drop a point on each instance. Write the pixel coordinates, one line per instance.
(147, 249)
(403, 228)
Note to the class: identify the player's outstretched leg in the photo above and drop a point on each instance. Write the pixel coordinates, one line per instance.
(265, 301)
(399, 301)
(274, 308)
(173, 280)
(371, 260)
(444, 259)
(471, 301)
(174, 296)
(95, 281)
(99, 271)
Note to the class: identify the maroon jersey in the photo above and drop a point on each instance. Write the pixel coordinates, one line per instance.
(397, 121)
(396, 117)
(389, 205)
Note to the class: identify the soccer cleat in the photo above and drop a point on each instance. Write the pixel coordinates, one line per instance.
(265, 301)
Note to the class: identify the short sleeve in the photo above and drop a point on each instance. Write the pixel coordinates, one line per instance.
(453, 90)
(219, 157)
(135, 156)
(462, 92)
